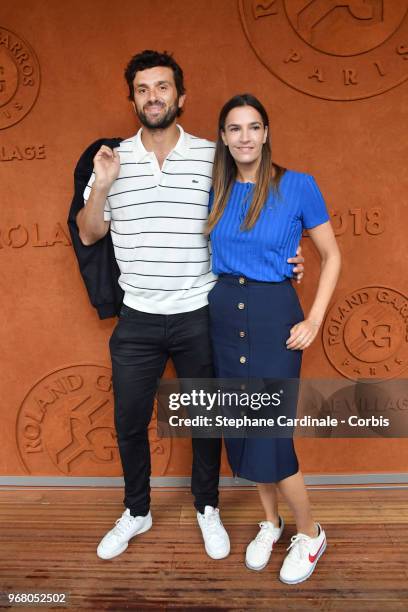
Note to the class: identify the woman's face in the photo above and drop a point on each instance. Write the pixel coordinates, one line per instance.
(244, 134)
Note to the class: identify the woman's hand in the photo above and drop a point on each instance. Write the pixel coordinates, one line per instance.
(302, 335)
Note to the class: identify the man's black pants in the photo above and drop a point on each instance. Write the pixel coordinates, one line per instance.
(140, 346)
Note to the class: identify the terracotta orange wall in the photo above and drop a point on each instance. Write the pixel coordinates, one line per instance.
(55, 389)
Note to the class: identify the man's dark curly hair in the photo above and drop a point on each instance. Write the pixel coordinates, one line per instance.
(151, 59)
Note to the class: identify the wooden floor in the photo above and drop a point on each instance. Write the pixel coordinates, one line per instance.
(48, 539)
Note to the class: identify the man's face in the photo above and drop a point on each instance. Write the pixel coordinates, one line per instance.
(156, 99)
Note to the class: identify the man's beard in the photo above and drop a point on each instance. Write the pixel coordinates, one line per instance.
(162, 123)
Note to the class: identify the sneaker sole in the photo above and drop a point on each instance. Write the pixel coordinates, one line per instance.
(256, 569)
(217, 557)
(261, 567)
(124, 547)
(309, 573)
(119, 552)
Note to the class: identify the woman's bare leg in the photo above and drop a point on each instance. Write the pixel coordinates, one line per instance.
(269, 499)
(294, 492)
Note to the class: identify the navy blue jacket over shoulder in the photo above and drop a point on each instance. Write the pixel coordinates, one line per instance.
(97, 262)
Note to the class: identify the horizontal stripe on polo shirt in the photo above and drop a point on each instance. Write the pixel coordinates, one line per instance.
(157, 222)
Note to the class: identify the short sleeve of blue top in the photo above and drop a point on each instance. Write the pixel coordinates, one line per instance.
(261, 252)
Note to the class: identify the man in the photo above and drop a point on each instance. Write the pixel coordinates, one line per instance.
(152, 193)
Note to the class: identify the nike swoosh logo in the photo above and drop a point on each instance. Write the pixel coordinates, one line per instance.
(312, 558)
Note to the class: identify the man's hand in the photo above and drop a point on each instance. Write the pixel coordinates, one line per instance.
(298, 260)
(90, 219)
(106, 166)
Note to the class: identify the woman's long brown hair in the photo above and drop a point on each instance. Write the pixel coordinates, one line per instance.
(225, 170)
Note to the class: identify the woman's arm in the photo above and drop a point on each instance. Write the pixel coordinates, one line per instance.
(302, 334)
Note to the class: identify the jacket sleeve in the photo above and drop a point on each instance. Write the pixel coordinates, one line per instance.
(97, 263)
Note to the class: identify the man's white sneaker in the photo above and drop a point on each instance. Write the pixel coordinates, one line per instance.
(126, 527)
(259, 550)
(216, 540)
(304, 553)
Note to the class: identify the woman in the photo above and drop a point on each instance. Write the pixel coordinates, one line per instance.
(257, 213)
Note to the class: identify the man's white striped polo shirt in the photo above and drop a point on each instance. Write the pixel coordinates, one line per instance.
(157, 221)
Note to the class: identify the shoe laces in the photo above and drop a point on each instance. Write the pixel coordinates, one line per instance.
(299, 546)
(123, 524)
(212, 521)
(265, 536)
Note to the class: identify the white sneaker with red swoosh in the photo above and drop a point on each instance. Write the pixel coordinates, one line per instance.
(259, 550)
(304, 553)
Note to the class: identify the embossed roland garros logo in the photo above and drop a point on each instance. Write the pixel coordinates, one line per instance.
(331, 49)
(65, 425)
(365, 334)
(19, 78)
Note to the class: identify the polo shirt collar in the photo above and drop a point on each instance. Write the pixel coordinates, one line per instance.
(181, 149)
